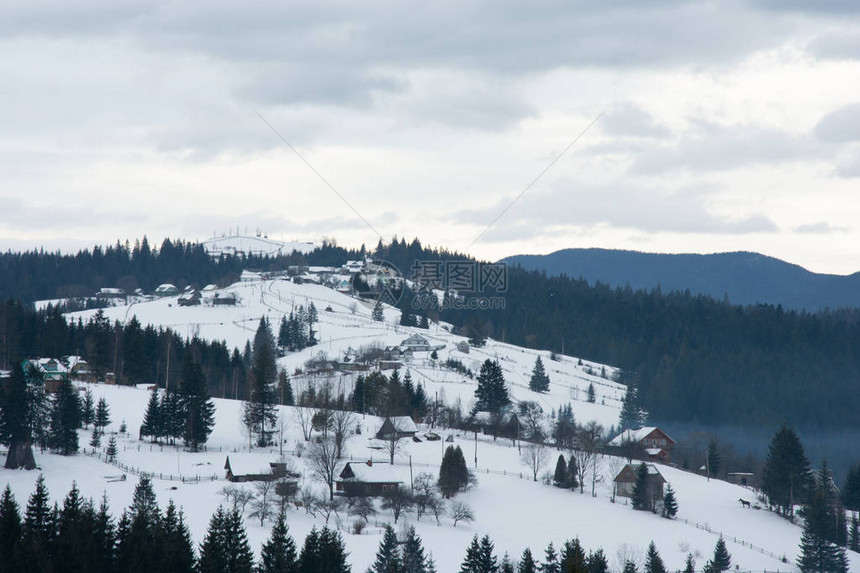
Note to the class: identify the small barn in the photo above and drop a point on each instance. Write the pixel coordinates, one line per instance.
(240, 470)
(190, 298)
(397, 427)
(228, 299)
(367, 479)
(166, 289)
(626, 480)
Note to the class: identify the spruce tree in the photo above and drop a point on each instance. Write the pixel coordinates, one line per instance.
(550, 560)
(572, 472)
(96, 439)
(332, 553)
(690, 564)
(475, 332)
(197, 408)
(640, 498)
(11, 529)
(559, 478)
(388, 558)
(16, 410)
(279, 552)
(632, 415)
(670, 504)
(721, 561)
(453, 474)
(75, 548)
(88, 411)
(539, 381)
(102, 418)
(39, 528)
(309, 559)
(851, 490)
(597, 562)
(65, 419)
(377, 313)
(653, 561)
(225, 547)
(414, 559)
(591, 395)
(573, 557)
(152, 422)
(104, 538)
(785, 479)
(527, 562)
(472, 561)
(491, 395)
(713, 458)
(488, 561)
(177, 554)
(259, 414)
(630, 567)
(111, 450)
(818, 549)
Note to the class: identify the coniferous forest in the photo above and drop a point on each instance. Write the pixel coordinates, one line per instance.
(694, 359)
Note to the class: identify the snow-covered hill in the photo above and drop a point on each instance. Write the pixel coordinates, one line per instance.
(348, 325)
(514, 510)
(253, 245)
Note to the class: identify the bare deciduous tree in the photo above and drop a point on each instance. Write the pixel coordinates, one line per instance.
(262, 501)
(237, 497)
(534, 457)
(323, 460)
(361, 506)
(397, 500)
(461, 511)
(304, 417)
(343, 427)
(329, 506)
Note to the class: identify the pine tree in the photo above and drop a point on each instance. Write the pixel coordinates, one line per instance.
(818, 549)
(690, 564)
(475, 332)
(102, 415)
(39, 526)
(225, 547)
(851, 490)
(11, 529)
(177, 555)
(670, 504)
(279, 552)
(96, 439)
(284, 337)
(591, 395)
(377, 313)
(721, 561)
(332, 554)
(111, 451)
(453, 474)
(713, 458)
(488, 561)
(259, 413)
(152, 423)
(572, 472)
(472, 561)
(197, 408)
(491, 394)
(88, 411)
(104, 538)
(653, 561)
(559, 478)
(640, 498)
(597, 562)
(785, 479)
(632, 415)
(414, 559)
(527, 562)
(539, 381)
(572, 557)
(629, 567)
(16, 410)
(388, 558)
(550, 560)
(65, 419)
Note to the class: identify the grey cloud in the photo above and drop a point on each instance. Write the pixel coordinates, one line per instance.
(844, 45)
(819, 228)
(834, 7)
(712, 148)
(21, 216)
(648, 209)
(840, 126)
(629, 120)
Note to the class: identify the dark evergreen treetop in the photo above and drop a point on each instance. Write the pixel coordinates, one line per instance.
(198, 409)
(786, 477)
(279, 552)
(491, 395)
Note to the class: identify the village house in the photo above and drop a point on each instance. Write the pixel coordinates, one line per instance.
(625, 481)
(656, 444)
(79, 369)
(166, 289)
(219, 299)
(396, 427)
(252, 469)
(189, 298)
(368, 478)
(50, 370)
(416, 343)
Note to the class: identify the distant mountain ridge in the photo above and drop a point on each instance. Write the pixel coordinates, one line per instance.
(746, 278)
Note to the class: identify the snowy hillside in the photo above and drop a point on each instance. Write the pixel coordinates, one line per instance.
(509, 506)
(253, 245)
(515, 511)
(349, 326)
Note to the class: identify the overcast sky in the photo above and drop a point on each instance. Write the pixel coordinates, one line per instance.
(727, 126)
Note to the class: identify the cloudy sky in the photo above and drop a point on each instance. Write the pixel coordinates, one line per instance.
(726, 125)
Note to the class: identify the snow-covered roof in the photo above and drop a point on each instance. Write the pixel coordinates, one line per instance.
(633, 435)
(209, 287)
(166, 287)
(377, 472)
(401, 424)
(249, 464)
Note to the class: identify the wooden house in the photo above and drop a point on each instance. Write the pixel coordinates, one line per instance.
(166, 289)
(626, 480)
(228, 299)
(655, 443)
(397, 427)
(79, 369)
(368, 479)
(240, 470)
(49, 371)
(189, 298)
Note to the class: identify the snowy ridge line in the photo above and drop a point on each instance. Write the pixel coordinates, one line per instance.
(706, 527)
